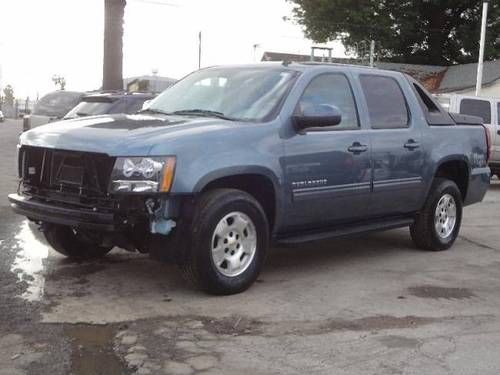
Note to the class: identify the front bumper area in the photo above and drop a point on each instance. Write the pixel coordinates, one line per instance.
(75, 217)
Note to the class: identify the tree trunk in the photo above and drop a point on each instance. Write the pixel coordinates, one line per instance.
(437, 32)
(112, 75)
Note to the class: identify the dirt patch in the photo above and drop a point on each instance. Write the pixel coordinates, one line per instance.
(436, 292)
(399, 342)
(375, 323)
(69, 272)
(233, 325)
(92, 350)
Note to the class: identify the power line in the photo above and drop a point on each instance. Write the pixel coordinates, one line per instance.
(158, 2)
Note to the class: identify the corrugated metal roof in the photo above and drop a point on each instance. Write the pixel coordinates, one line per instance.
(459, 77)
(429, 75)
(283, 56)
(436, 78)
(419, 72)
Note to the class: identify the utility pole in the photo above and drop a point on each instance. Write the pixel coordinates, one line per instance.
(479, 78)
(112, 74)
(255, 46)
(372, 52)
(199, 50)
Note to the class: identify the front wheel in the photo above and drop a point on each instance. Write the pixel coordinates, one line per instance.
(437, 225)
(74, 243)
(229, 239)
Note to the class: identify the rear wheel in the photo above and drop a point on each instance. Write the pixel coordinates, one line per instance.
(437, 225)
(74, 243)
(229, 238)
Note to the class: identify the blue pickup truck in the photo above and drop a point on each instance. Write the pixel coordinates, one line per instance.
(231, 159)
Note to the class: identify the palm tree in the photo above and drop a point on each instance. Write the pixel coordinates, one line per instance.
(112, 74)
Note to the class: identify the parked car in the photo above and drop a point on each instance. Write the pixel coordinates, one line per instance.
(488, 109)
(51, 107)
(108, 103)
(2, 117)
(233, 158)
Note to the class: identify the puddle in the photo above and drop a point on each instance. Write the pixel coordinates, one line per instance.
(92, 350)
(28, 264)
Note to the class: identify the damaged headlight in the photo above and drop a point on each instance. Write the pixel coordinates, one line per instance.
(149, 174)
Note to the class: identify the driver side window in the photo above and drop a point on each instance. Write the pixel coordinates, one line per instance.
(331, 89)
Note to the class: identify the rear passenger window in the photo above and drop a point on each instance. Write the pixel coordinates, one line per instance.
(333, 90)
(426, 102)
(475, 107)
(386, 103)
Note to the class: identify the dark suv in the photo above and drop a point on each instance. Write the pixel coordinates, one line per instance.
(108, 103)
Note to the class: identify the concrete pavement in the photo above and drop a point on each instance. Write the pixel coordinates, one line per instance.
(367, 305)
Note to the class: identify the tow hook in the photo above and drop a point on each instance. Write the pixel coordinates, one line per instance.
(159, 223)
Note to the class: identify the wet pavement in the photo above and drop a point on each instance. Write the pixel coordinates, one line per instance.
(367, 305)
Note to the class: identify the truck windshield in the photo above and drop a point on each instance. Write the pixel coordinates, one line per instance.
(243, 94)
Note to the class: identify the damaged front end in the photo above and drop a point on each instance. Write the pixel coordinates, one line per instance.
(115, 201)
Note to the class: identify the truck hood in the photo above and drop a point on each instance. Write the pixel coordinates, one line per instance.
(115, 135)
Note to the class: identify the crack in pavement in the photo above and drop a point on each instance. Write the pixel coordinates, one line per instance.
(484, 246)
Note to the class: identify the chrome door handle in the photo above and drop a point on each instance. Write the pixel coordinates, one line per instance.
(411, 144)
(357, 148)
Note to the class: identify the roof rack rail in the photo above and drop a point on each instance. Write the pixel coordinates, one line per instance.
(332, 63)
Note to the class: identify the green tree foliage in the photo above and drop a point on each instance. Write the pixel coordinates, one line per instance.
(59, 81)
(439, 32)
(8, 93)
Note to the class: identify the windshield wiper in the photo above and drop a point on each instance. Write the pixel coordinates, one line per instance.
(203, 112)
(154, 110)
(82, 114)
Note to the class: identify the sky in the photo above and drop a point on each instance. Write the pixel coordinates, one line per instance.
(42, 38)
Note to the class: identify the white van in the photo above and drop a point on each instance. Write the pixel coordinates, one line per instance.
(486, 107)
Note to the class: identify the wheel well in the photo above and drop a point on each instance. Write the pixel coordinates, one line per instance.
(258, 186)
(458, 172)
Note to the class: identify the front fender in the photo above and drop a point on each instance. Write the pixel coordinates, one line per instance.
(235, 171)
(276, 181)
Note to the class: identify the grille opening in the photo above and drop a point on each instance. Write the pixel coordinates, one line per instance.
(68, 173)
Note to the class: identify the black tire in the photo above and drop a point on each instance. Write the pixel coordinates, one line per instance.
(73, 244)
(199, 267)
(423, 231)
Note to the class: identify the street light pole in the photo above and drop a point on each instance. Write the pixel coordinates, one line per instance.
(479, 78)
(199, 50)
(372, 52)
(255, 46)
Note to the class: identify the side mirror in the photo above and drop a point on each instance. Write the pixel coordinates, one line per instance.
(317, 116)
